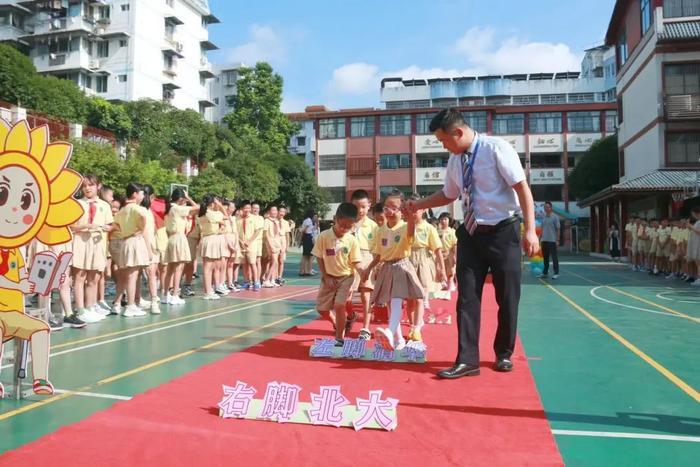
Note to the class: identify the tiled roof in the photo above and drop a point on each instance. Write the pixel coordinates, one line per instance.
(680, 31)
(659, 180)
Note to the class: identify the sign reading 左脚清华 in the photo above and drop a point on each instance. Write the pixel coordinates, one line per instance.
(547, 177)
(327, 407)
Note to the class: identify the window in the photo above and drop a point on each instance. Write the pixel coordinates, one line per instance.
(229, 78)
(122, 78)
(331, 128)
(432, 161)
(394, 161)
(545, 122)
(622, 48)
(582, 98)
(216, 101)
(547, 192)
(610, 121)
(104, 12)
(103, 49)
(125, 7)
(682, 79)
(583, 122)
(545, 161)
(619, 109)
(509, 124)
(645, 6)
(87, 81)
(498, 100)
(63, 45)
(476, 120)
(337, 194)
(101, 83)
(526, 100)
(362, 126)
(331, 162)
(681, 8)
(230, 100)
(202, 81)
(683, 148)
(392, 125)
(423, 123)
(553, 98)
(123, 42)
(301, 140)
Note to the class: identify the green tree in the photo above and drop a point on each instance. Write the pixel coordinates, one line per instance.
(212, 180)
(256, 179)
(298, 188)
(112, 117)
(257, 108)
(597, 169)
(59, 98)
(16, 71)
(99, 159)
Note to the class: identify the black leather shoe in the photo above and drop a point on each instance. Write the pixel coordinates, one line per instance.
(459, 370)
(504, 365)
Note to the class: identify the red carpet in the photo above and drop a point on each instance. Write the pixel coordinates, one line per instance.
(492, 419)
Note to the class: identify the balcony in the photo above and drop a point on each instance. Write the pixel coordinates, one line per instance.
(682, 107)
(205, 68)
(60, 61)
(172, 47)
(72, 24)
(170, 71)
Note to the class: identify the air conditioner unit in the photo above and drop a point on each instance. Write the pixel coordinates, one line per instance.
(99, 30)
(94, 63)
(52, 56)
(179, 47)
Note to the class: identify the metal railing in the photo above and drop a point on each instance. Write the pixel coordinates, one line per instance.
(682, 106)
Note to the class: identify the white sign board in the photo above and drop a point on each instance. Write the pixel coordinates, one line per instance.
(428, 143)
(430, 176)
(517, 141)
(547, 176)
(546, 143)
(581, 142)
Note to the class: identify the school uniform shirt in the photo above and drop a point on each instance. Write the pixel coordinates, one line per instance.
(650, 232)
(496, 169)
(192, 230)
(209, 224)
(246, 228)
(102, 214)
(366, 233)
(663, 234)
(393, 243)
(635, 232)
(259, 223)
(284, 227)
(426, 236)
(448, 238)
(11, 263)
(130, 219)
(338, 254)
(176, 221)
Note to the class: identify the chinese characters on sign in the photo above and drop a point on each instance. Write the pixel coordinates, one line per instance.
(327, 407)
(547, 176)
(356, 349)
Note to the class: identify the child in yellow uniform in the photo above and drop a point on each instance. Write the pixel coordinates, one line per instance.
(285, 232)
(366, 233)
(259, 241)
(89, 250)
(426, 257)
(652, 232)
(272, 237)
(249, 232)
(151, 270)
(338, 254)
(135, 253)
(663, 233)
(634, 251)
(231, 250)
(211, 225)
(177, 251)
(106, 195)
(397, 280)
(193, 238)
(448, 237)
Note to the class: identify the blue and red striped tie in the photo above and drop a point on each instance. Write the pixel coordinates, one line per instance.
(470, 223)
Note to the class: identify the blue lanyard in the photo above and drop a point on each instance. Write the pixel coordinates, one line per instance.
(468, 176)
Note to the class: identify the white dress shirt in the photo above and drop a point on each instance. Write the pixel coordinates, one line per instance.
(496, 169)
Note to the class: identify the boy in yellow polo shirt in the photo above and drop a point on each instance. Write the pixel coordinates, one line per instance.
(366, 233)
(338, 255)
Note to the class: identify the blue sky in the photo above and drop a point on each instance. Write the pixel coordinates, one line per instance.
(335, 52)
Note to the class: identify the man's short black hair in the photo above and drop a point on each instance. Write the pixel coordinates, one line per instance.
(358, 195)
(444, 215)
(446, 120)
(244, 202)
(548, 202)
(346, 211)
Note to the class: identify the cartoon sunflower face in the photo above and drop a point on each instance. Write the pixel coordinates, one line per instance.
(35, 187)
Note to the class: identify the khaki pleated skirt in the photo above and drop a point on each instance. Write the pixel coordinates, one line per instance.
(135, 253)
(89, 253)
(193, 243)
(227, 242)
(211, 246)
(177, 249)
(424, 263)
(397, 280)
(115, 252)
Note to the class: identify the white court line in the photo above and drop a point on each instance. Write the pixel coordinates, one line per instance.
(93, 394)
(182, 323)
(680, 292)
(593, 293)
(614, 434)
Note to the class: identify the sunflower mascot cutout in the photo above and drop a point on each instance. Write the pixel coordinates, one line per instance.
(36, 202)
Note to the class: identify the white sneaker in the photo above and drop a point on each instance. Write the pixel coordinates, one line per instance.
(98, 311)
(133, 311)
(102, 304)
(143, 303)
(542, 276)
(385, 338)
(155, 308)
(555, 276)
(670, 276)
(175, 300)
(211, 296)
(117, 309)
(223, 290)
(88, 316)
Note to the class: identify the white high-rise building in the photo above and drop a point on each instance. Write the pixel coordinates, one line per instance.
(121, 50)
(223, 89)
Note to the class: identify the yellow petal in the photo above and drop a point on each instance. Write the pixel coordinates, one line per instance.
(18, 139)
(65, 185)
(64, 213)
(54, 236)
(56, 158)
(40, 139)
(4, 130)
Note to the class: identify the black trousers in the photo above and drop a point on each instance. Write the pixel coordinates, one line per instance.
(549, 249)
(497, 251)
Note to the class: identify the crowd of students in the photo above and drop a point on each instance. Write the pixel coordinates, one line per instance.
(390, 259)
(671, 248)
(122, 240)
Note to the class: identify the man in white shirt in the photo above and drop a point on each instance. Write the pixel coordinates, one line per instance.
(486, 172)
